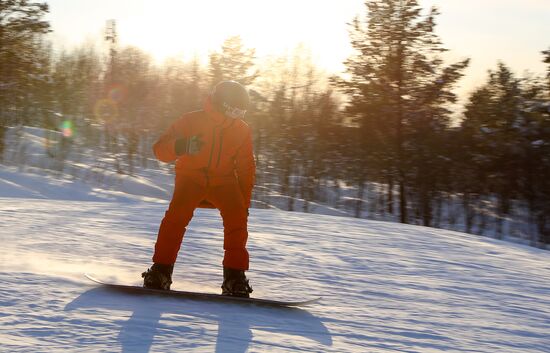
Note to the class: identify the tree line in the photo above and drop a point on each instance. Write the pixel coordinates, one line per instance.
(389, 123)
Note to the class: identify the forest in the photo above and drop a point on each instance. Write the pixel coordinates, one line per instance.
(387, 129)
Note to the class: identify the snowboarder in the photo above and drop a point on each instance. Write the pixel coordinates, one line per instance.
(215, 167)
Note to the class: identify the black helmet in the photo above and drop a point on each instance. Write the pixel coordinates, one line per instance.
(230, 98)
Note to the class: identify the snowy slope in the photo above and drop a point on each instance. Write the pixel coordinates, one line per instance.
(386, 287)
(86, 171)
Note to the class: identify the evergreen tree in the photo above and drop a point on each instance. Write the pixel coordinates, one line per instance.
(398, 86)
(505, 146)
(546, 60)
(536, 160)
(21, 25)
(233, 62)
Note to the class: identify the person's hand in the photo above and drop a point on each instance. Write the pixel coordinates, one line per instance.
(189, 145)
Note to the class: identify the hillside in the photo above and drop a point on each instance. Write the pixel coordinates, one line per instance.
(386, 287)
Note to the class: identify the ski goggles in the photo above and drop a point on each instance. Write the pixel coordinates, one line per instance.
(233, 112)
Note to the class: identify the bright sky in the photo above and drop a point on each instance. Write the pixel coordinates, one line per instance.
(513, 31)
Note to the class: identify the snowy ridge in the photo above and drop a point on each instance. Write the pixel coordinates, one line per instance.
(386, 287)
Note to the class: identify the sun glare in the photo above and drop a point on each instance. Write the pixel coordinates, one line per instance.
(196, 28)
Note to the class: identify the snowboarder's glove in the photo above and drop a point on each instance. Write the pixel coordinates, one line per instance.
(188, 145)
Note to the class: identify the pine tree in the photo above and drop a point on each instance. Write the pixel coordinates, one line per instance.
(536, 182)
(397, 86)
(233, 62)
(21, 25)
(546, 60)
(505, 148)
(503, 130)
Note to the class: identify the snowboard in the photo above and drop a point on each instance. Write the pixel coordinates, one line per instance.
(202, 296)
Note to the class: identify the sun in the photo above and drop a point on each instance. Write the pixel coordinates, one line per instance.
(195, 28)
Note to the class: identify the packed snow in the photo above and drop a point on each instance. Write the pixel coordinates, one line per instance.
(386, 287)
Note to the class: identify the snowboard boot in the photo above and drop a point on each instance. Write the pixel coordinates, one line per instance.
(158, 277)
(235, 283)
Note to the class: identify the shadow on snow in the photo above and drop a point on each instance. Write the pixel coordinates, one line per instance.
(235, 321)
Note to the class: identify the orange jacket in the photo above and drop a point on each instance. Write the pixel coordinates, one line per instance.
(226, 154)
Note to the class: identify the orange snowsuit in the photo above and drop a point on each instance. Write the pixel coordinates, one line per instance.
(221, 174)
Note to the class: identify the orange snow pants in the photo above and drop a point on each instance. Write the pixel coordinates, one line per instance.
(187, 196)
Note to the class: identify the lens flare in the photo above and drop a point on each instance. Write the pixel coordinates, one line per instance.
(67, 129)
(117, 93)
(106, 109)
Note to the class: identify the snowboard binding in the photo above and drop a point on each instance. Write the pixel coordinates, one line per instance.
(158, 277)
(235, 283)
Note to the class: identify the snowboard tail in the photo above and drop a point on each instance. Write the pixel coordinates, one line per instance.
(200, 295)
